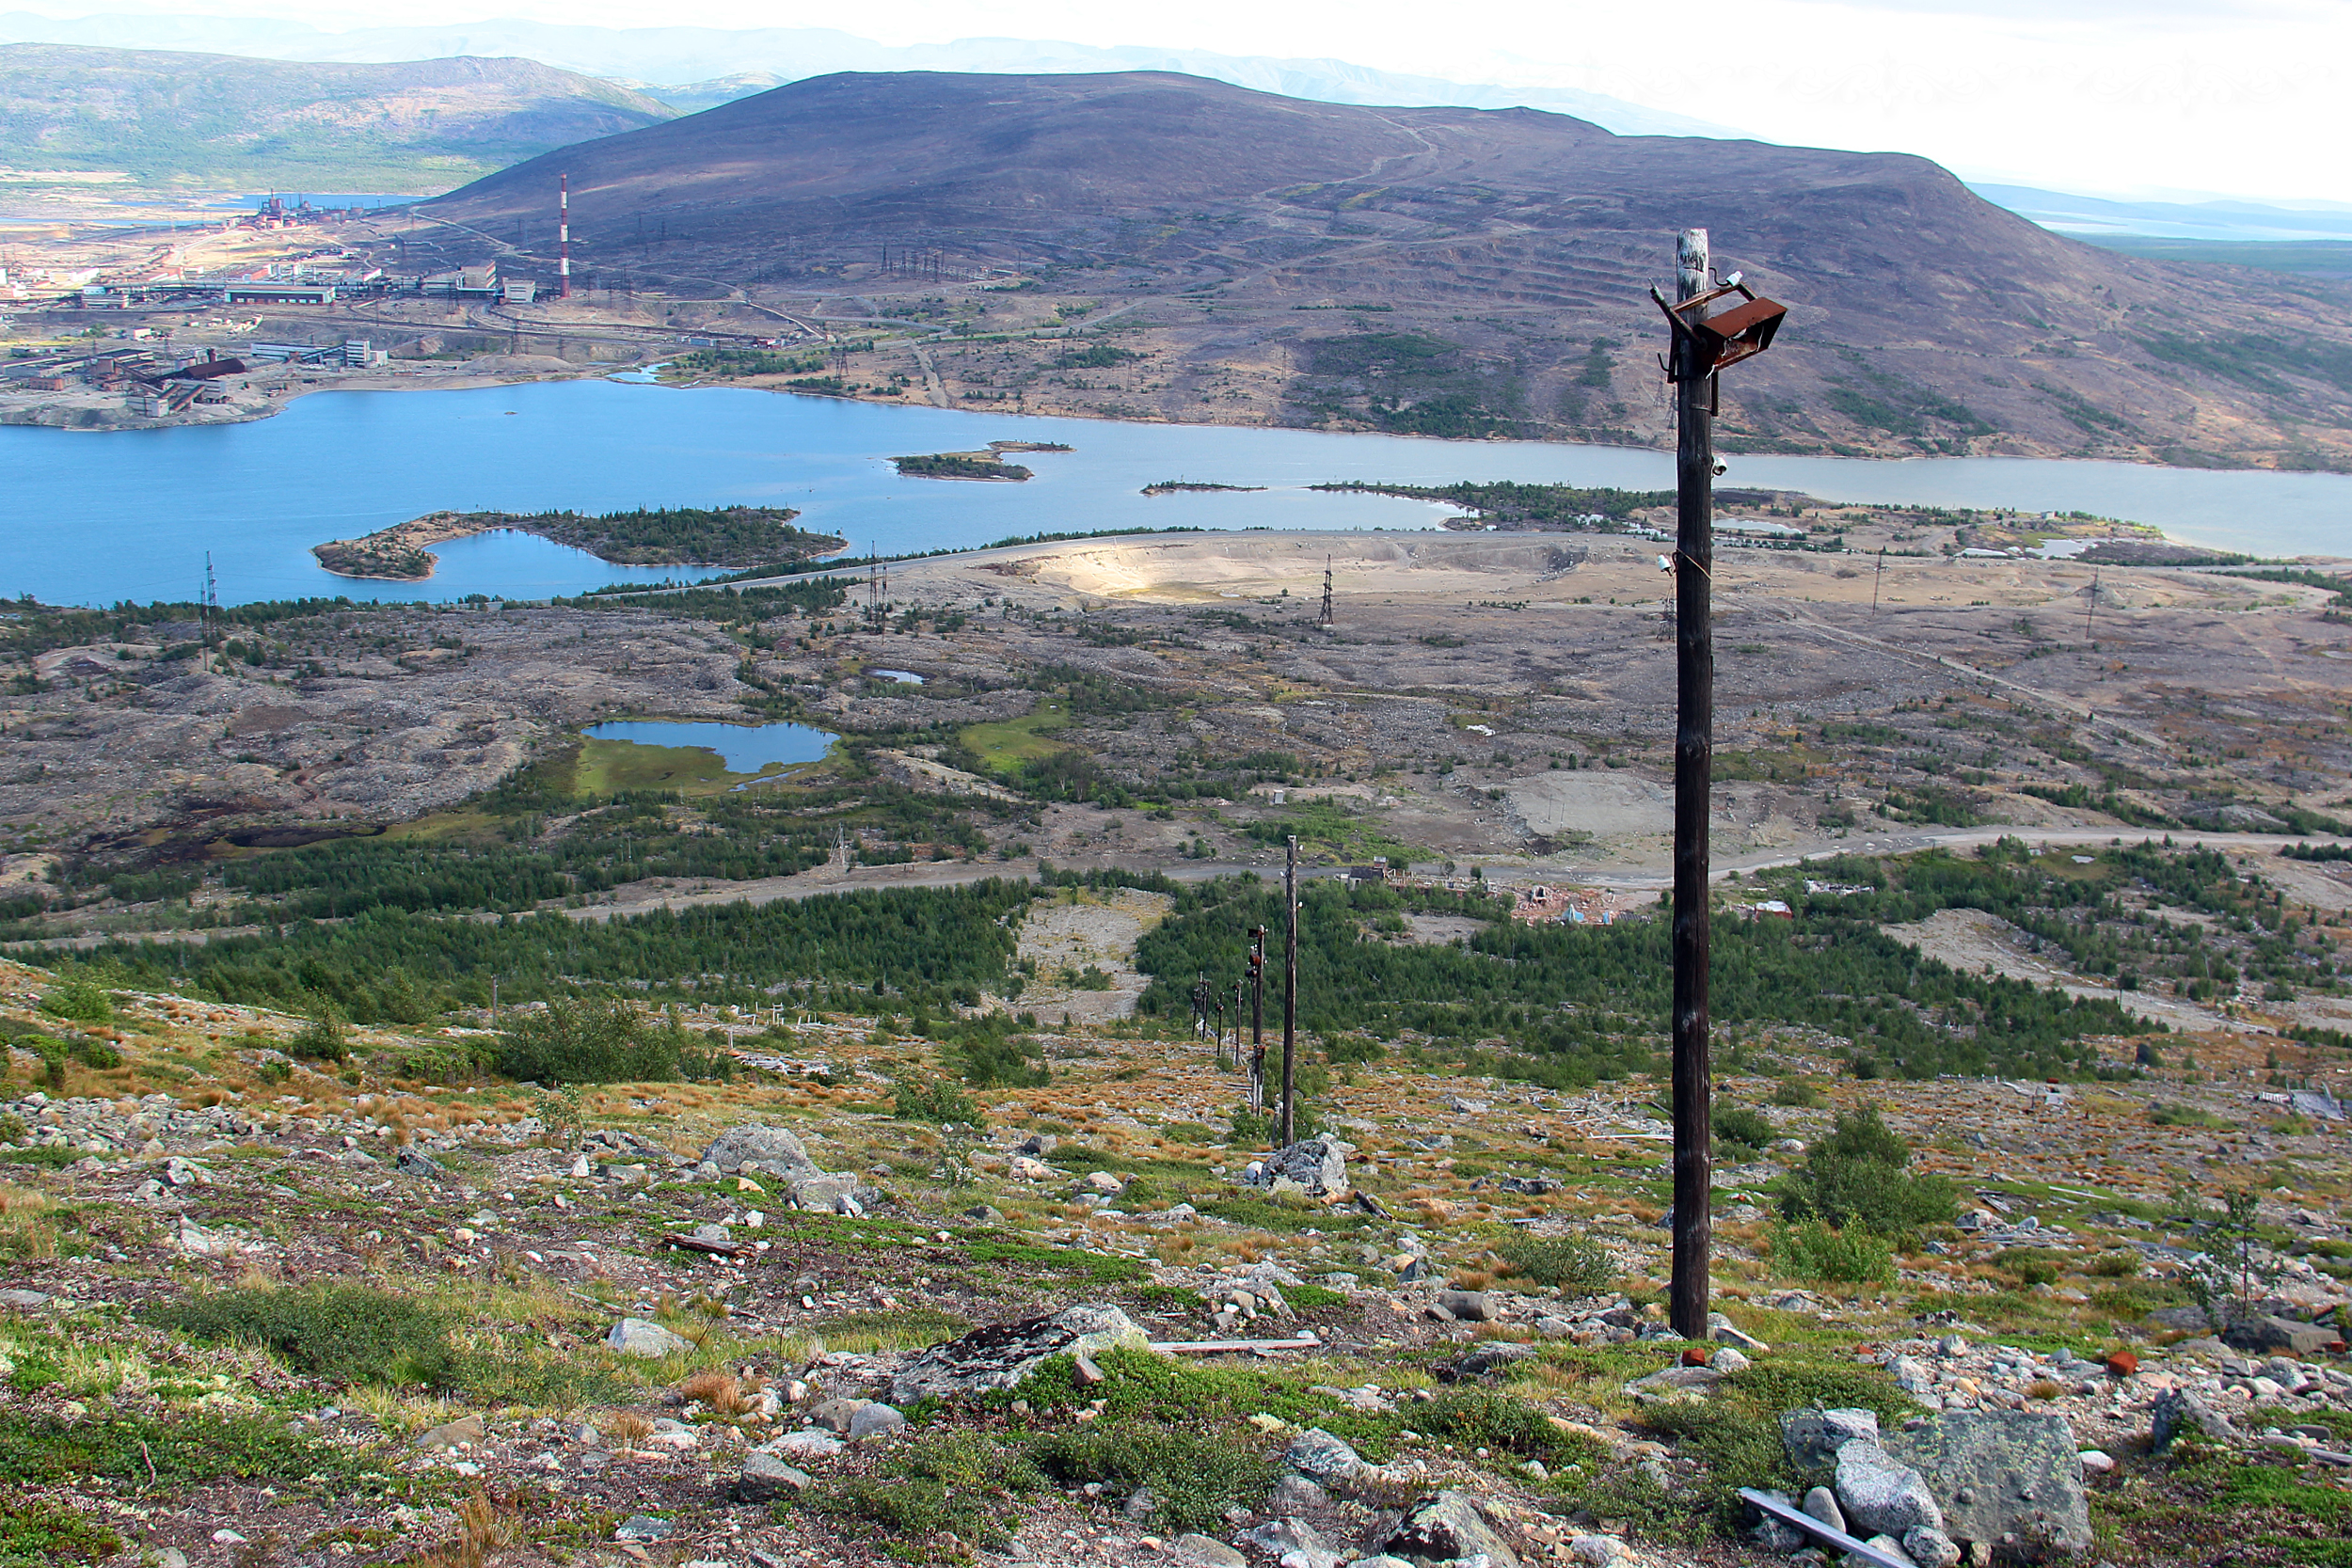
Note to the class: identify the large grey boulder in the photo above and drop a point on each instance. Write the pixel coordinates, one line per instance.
(1882, 1495)
(1446, 1528)
(2177, 1410)
(636, 1336)
(1812, 1437)
(1317, 1165)
(765, 1478)
(1001, 1354)
(1292, 1541)
(2009, 1481)
(770, 1150)
(1318, 1455)
(2269, 1332)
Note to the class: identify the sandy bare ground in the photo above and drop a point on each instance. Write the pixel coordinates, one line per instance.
(1087, 929)
(1976, 940)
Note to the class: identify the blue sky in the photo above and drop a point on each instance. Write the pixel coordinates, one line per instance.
(2178, 99)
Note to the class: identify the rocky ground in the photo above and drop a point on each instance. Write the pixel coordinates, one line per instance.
(766, 1321)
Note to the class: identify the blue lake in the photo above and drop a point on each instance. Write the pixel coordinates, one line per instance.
(744, 748)
(93, 517)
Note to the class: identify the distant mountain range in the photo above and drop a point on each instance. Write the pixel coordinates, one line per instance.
(1452, 271)
(695, 68)
(217, 121)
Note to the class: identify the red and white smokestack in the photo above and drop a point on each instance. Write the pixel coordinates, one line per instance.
(564, 238)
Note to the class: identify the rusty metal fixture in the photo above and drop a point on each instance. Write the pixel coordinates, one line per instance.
(1743, 332)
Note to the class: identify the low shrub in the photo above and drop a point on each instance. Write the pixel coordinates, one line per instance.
(1482, 1418)
(932, 1099)
(1797, 1093)
(350, 1332)
(1738, 1129)
(1192, 1475)
(322, 1038)
(947, 1484)
(589, 1042)
(1574, 1263)
(1815, 1253)
(78, 1000)
(34, 1534)
(1859, 1177)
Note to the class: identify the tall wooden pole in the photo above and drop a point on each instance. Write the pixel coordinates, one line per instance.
(1289, 996)
(1694, 725)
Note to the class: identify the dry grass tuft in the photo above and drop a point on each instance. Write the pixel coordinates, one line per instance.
(482, 1529)
(718, 1392)
(625, 1425)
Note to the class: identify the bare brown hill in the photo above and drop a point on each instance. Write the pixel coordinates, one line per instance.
(1235, 256)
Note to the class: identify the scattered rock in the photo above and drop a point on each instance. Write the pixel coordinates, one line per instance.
(1293, 1542)
(1821, 1503)
(1445, 1528)
(1485, 1362)
(641, 1528)
(2269, 1333)
(1001, 1354)
(1881, 1494)
(770, 1150)
(765, 1478)
(1317, 1165)
(804, 1445)
(2095, 1463)
(636, 1336)
(1297, 1494)
(1213, 1554)
(1594, 1551)
(980, 1213)
(1469, 1307)
(837, 1416)
(2177, 1410)
(1036, 1145)
(466, 1429)
(2008, 1479)
(1316, 1453)
(1724, 1332)
(1813, 1436)
(875, 1419)
(1728, 1360)
(416, 1161)
(23, 1301)
(1891, 1546)
(1931, 1548)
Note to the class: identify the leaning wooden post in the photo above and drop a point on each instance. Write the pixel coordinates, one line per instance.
(1694, 735)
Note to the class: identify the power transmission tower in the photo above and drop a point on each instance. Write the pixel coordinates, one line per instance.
(2090, 604)
(1876, 580)
(1324, 622)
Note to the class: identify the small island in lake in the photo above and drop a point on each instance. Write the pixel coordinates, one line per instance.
(988, 465)
(1178, 486)
(733, 537)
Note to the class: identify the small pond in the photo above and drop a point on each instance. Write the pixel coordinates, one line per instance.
(744, 748)
(904, 677)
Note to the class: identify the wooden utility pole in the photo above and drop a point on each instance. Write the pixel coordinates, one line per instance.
(1694, 727)
(1290, 997)
(1257, 1018)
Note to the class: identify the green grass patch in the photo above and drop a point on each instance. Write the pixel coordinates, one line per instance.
(611, 766)
(51, 1156)
(38, 1450)
(1140, 1387)
(350, 1332)
(937, 1497)
(1003, 745)
(1095, 1267)
(36, 1534)
(1193, 1476)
